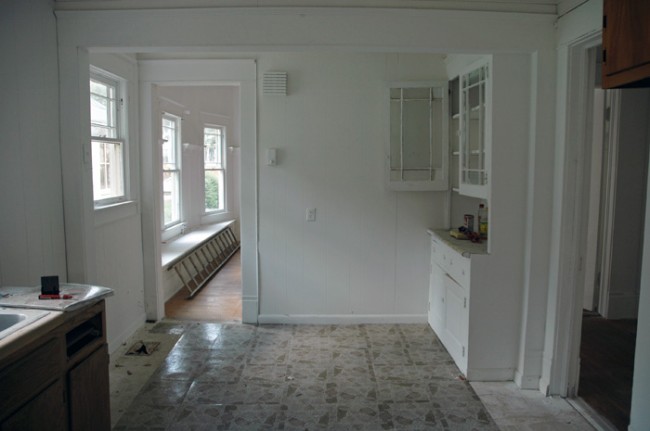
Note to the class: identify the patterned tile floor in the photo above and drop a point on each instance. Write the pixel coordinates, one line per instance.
(303, 377)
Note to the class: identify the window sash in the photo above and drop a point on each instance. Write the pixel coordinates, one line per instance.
(171, 200)
(108, 171)
(214, 169)
(108, 147)
(171, 171)
(214, 190)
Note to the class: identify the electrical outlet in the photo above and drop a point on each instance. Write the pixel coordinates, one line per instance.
(311, 214)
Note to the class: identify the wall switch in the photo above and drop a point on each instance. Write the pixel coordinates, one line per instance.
(311, 214)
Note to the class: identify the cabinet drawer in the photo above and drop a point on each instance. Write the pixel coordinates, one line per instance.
(458, 269)
(30, 375)
(452, 262)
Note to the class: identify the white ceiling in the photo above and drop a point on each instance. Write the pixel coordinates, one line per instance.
(552, 7)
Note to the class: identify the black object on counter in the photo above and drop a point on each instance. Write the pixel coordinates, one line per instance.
(50, 285)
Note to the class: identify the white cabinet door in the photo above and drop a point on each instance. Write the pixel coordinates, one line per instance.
(437, 298)
(456, 320)
(475, 130)
(418, 136)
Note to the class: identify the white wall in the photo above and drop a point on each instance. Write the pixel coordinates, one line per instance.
(31, 232)
(117, 232)
(366, 253)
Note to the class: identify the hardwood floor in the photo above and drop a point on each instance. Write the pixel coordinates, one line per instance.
(218, 301)
(607, 367)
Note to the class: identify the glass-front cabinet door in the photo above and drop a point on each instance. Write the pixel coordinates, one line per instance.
(418, 137)
(475, 130)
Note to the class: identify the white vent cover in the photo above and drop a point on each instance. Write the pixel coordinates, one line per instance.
(275, 83)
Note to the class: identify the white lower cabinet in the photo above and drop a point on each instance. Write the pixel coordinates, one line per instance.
(449, 300)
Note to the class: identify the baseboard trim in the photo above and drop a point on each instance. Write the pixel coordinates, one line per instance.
(526, 382)
(490, 374)
(340, 319)
(249, 309)
(115, 342)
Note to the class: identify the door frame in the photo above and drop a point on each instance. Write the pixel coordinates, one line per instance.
(565, 307)
(241, 73)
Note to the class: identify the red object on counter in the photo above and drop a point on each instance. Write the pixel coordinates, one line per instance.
(54, 296)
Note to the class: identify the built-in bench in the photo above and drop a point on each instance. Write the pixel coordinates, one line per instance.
(199, 254)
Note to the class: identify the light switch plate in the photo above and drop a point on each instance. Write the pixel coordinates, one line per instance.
(311, 214)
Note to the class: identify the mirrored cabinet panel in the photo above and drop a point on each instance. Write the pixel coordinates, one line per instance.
(418, 136)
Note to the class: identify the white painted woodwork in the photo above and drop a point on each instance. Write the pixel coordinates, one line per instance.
(591, 263)
(241, 73)
(31, 232)
(117, 230)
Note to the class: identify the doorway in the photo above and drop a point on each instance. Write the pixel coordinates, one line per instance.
(155, 74)
(613, 211)
(199, 134)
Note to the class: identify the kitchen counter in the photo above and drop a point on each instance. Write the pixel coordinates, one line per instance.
(56, 364)
(463, 246)
(58, 311)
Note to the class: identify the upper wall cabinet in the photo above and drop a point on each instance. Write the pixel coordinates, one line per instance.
(418, 139)
(474, 130)
(626, 43)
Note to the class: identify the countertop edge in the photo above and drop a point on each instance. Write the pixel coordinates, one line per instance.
(464, 247)
(24, 336)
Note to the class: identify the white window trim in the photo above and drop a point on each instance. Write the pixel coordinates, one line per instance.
(175, 223)
(224, 162)
(121, 130)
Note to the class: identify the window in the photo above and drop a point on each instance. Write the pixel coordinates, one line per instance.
(214, 168)
(171, 170)
(107, 140)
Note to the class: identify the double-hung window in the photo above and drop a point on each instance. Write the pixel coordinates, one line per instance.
(214, 168)
(107, 140)
(171, 170)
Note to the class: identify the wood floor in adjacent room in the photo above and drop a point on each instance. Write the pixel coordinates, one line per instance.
(607, 367)
(218, 301)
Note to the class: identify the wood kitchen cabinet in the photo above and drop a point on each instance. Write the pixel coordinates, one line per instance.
(59, 381)
(626, 43)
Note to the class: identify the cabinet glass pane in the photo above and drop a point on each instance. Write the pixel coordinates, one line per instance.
(416, 133)
(472, 143)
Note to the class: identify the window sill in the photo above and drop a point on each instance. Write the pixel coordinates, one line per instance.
(215, 217)
(111, 213)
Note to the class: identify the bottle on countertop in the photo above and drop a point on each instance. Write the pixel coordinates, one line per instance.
(483, 221)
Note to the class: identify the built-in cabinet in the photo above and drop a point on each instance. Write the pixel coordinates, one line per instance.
(626, 43)
(475, 291)
(59, 381)
(449, 291)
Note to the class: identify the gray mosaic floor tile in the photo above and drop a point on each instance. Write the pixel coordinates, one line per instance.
(350, 377)
(254, 417)
(146, 417)
(201, 417)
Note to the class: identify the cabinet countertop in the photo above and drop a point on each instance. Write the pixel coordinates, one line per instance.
(465, 247)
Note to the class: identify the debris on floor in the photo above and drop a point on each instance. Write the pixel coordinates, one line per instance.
(143, 348)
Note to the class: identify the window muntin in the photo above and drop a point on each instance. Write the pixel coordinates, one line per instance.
(171, 170)
(107, 140)
(214, 168)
